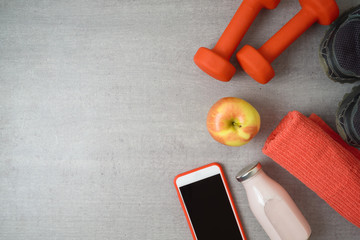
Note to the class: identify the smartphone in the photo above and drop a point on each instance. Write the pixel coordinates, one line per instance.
(207, 203)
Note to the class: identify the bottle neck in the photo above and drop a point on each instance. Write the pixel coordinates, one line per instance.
(259, 177)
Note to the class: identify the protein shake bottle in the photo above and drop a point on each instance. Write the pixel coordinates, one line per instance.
(272, 206)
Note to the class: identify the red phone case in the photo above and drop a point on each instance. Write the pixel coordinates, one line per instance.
(227, 188)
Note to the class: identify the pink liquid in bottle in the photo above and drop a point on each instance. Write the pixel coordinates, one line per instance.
(272, 206)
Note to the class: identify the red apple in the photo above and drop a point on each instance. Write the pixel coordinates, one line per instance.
(233, 121)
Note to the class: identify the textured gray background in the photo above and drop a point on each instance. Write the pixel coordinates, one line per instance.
(101, 106)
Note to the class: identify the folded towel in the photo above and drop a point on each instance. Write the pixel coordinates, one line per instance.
(311, 151)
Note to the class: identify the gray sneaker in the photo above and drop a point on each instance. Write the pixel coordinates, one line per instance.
(340, 48)
(348, 117)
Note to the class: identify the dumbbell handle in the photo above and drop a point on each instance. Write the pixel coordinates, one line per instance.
(278, 43)
(237, 28)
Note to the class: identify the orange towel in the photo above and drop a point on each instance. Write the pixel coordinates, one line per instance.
(311, 151)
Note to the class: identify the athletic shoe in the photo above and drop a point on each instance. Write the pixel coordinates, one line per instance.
(340, 48)
(348, 118)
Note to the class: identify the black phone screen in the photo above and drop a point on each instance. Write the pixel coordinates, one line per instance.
(210, 210)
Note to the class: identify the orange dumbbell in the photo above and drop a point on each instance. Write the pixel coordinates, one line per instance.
(216, 62)
(257, 63)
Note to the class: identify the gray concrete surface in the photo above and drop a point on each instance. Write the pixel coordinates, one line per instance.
(101, 106)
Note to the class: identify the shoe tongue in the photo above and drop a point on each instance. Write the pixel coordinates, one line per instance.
(347, 46)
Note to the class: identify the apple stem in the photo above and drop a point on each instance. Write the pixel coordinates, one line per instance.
(235, 124)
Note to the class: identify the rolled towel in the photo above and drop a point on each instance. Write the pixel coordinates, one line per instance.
(311, 151)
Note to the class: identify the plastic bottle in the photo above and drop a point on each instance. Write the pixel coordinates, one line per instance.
(272, 206)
